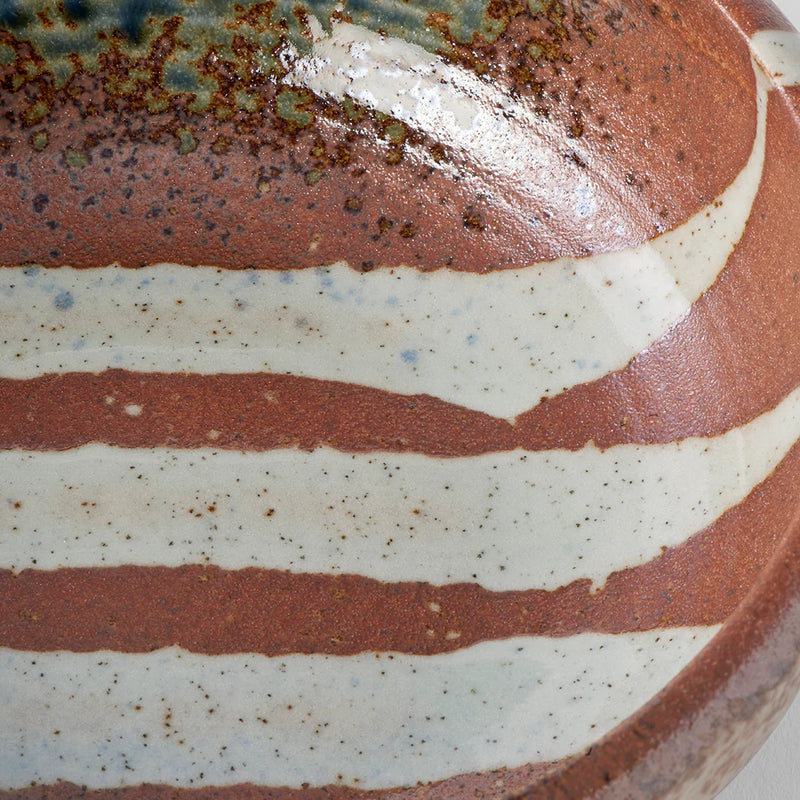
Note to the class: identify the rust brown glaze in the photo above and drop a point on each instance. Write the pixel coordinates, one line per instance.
(252, 412)
(209, 610)
(92, 175)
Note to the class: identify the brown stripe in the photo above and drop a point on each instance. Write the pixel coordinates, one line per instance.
(260, 412)
(494, 785)
(628, 97)
(240, 412)
(734, 355)
(213, 611)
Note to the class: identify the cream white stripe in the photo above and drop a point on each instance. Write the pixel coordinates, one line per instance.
(507, 521)
(495, 343)
(779, 54)
(104, 719)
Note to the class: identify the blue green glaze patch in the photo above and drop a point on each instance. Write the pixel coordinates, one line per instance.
(88, 28)
(224, 58)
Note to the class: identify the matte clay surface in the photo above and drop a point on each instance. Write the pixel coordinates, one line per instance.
(426, 373)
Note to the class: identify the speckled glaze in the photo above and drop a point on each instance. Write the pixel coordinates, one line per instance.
(397, 399)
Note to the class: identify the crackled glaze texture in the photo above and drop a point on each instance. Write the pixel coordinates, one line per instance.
(397, 399)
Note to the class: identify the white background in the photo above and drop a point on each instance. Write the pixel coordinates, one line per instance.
(774, 773)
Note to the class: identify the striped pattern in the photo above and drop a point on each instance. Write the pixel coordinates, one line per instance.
(405, 517)
(89, 608)
(407, 564)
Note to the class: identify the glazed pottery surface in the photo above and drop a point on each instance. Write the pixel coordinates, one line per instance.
(397, 399)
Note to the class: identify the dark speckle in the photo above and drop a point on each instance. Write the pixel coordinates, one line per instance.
(353, 205)
(64, 301)
(40, 202)
(473, 219)
(76, 9)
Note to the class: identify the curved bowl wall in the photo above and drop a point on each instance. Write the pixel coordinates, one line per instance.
(397, 400)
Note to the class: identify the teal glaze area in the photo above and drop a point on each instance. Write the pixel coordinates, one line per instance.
(61, 32)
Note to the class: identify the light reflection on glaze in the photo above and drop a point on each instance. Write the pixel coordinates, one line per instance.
(502, 132)
(369, 720)
(507, 521)
(495, 343)
(491, 126)
(465, 112)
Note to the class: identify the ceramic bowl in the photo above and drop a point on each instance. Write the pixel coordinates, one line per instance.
(397, 399)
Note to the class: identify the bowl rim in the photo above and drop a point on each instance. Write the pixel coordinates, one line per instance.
(747, 675)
